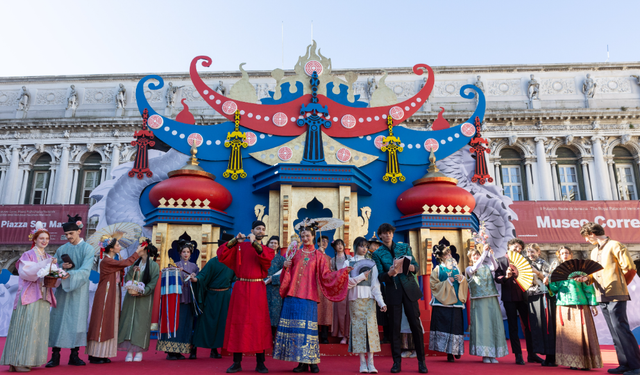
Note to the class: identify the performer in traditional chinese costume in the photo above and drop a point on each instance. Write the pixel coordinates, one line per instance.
(364, 292)
(325, 307)
(213, 293)
(135, 320)
(577, 344)
(542, 308)
(305, 272)
(340, 327)
(449, 294)
(102, 338)
(487, 338)
(26, 344)
(181, 341)
(273, 284)
(68, 326)
(248, 327)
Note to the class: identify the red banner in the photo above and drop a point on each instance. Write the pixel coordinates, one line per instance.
(17, 221)
(560, 222)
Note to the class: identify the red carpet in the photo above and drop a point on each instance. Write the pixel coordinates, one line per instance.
(155, 364)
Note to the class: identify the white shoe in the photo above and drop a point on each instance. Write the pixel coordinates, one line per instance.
(405, 354)
(493, 360)
(372, 368)
(486, 360)
(129, 357)
(138, 357)
(363, 364)
(413, 354)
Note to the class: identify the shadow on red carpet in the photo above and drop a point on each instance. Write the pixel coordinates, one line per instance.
(155, 363)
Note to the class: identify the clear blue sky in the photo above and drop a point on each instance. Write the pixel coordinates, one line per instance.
(134, 36)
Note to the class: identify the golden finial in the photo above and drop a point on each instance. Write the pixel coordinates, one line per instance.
(194, 151)
(433, 168)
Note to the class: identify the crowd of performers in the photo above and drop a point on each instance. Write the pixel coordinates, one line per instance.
(254, 297)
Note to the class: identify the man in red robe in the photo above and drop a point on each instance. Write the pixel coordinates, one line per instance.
(248, 328)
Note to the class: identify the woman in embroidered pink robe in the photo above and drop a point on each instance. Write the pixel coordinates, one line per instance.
(307, 273)
(28, 337)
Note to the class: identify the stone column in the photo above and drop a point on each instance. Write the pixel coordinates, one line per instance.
(115, 159)
(12, 191)
(24, 172)
(614, 184)
(544, 172)
(74, 184)
(557, 192)
(602, 180)
(103, 172)
(3, 178)
(587, 180)
(593, 179)
(496, 172)
(62, 177)
(52, 186)
(530, 188)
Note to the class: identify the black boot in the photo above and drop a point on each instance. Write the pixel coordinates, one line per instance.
(450, 357)
(396, 368)
(96, 360)
(236, 366)
(422, 367)
(314, 368)
(192, 353)
(324, 334)
(215, 354)
(534, 358)
(55, 358)
(302, 367)
(171, 356)
(74, 360)
(260, 367)
(550, 361)
(519, 360)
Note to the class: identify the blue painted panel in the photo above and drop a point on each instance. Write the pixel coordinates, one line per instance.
(342, 97)
(285, 95)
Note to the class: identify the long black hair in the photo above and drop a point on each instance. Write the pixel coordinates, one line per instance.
(152, 252)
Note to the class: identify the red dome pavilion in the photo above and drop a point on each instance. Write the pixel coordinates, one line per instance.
(438, 192)
(192, 185)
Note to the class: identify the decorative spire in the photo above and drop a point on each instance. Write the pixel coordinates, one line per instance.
(392, 146)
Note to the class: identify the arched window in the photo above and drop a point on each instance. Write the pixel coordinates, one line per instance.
(89, 178)
(626, 174)
(570, 176)
(38, 183)
(513, 175)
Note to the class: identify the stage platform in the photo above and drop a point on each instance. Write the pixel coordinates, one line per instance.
(335, 360)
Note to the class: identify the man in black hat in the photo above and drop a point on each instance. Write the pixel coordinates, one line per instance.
(68, 324)
(248, 327)
(213, 293)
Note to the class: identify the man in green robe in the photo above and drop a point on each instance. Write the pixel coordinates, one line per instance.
(213, 293)
(68, 324)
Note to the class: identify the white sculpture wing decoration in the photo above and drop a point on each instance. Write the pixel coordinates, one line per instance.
(491, 206)
(120, 200)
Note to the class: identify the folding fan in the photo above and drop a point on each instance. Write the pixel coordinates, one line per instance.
(523, 271)
(574, 268)
(361, 266)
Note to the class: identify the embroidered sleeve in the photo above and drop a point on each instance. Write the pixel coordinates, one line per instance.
(334, 285)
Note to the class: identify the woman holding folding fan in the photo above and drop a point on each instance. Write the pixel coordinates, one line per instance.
(576, 338)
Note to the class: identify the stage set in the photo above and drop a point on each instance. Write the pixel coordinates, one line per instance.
(310, 150)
